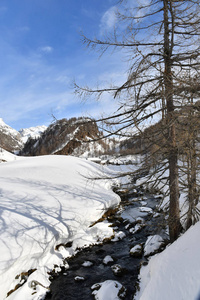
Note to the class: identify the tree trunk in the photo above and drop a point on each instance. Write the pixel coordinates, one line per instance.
(174, 215)
(192, 169)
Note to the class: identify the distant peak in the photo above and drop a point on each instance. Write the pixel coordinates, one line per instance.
(31, 132)
(2, 122)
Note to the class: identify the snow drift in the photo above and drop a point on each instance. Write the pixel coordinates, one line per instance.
(45, 202)
(175, 273)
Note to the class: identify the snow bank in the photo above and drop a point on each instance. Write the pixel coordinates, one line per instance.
(108, 290)
(153, 243)
(174, 273)
(7, 156)
(45, 202)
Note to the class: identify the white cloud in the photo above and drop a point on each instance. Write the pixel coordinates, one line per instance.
(32, 87)
(46, 49)
(63, 79)
(108, 20)
(142, 12)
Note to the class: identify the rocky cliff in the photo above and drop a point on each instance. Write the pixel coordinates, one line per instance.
(67, 137)
(10, 138)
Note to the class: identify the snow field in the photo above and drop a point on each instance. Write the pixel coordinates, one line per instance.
(174, 273)
(47, 201)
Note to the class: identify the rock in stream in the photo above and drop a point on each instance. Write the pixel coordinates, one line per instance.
(112, 261)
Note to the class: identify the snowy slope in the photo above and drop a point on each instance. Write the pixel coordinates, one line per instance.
(7, 129)
(6, 156)
(33, 132)
(46, 201)
(10, 138)
(175, 273)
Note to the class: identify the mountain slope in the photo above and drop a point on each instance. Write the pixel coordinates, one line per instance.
(174, 273)
(31, 132)
(10, 138)
(67, 137)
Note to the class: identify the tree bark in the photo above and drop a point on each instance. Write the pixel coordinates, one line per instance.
(192, 168)
(174, 215)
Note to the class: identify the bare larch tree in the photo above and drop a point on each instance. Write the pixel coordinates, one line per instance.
(161, 38)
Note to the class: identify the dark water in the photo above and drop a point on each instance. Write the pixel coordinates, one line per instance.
(65, 287)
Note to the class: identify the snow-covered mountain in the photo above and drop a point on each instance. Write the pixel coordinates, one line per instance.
(31, 132)
(13, 140)
(68, 137)
(10, 139)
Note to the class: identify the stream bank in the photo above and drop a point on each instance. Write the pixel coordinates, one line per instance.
(136, 220)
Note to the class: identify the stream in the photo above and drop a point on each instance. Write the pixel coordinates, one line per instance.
(136, 220)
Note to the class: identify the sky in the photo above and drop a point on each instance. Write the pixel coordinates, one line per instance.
(41, 54)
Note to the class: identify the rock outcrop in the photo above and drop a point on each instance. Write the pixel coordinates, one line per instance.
(67, 137)
(10, 139)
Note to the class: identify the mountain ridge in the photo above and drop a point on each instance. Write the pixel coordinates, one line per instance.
(10, 139)
(73, 136)
(13, 141)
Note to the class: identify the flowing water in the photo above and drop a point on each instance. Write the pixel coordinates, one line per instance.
(76, 281)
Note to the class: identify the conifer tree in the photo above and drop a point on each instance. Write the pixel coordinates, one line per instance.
(162, 39)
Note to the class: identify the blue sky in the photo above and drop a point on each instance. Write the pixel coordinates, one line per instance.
(41, 54)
